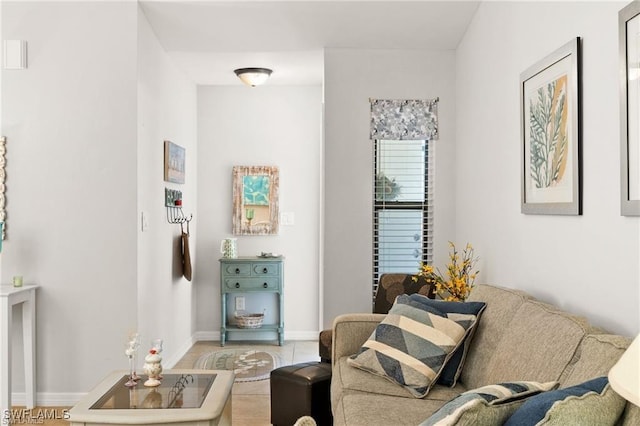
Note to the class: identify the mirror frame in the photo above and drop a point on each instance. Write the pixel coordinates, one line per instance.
(265, 224)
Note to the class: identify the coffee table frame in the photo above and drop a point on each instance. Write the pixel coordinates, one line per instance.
(215, 409)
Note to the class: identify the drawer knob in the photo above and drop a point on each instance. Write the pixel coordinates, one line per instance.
(237, 285)
(265, 285)
(237, 270)
(265, 270)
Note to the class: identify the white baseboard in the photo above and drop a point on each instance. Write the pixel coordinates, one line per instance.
(301, 335)
(288, 335)
(172, 360)
(200, 336)
(48, 399)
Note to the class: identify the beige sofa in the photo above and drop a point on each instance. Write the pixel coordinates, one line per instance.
(518, 338)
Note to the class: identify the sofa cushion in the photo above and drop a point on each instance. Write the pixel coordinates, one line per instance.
(502, 304)
(487, 405)
(412, 344)
(367, 409)
(537, 345)
(595, 356)
(593, 402)
(453, 367)
(631, 416)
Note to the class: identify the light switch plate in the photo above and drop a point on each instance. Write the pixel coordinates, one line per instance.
(144, 221)
(287, 218)
(15, 54)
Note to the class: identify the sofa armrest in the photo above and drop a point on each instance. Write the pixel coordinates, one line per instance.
(350, 331)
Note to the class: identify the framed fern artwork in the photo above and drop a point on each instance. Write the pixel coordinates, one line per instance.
(629, 42)
(550, 133)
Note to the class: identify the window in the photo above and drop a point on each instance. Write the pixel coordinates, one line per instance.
(402, 131)
(402, 207)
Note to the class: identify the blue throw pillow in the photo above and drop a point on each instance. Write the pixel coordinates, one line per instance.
(592, 402)
(452, 370)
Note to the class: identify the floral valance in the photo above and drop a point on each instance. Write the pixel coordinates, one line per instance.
(404, 119)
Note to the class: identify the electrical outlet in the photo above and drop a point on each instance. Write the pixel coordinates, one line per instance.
(240, 303)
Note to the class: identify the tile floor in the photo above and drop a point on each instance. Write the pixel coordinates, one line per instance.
(251, 405)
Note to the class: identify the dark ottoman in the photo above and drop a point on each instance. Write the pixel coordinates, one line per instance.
(301, 390)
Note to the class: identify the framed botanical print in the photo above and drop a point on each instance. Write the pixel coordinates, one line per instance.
(550, 133)
(629, 46)
(255, 200)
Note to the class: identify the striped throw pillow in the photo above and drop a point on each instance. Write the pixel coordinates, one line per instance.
(488, 405)
(453, 368)
(412, 344)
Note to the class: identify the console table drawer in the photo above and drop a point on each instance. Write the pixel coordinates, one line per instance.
(243, 284)
(266, 269)
(239, 269)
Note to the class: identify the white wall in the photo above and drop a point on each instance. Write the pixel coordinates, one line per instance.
(268, 125)
(351, 78)
(590, 263)
(70, 120)
(167, 102)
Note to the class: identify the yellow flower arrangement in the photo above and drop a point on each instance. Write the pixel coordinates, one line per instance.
(457, 284)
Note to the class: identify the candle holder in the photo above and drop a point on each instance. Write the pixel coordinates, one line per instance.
(131, 351)
(249, 214)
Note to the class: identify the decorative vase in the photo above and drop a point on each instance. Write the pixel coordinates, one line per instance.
(152, 367)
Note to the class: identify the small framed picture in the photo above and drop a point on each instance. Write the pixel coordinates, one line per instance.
(174, 159)
(550, 133)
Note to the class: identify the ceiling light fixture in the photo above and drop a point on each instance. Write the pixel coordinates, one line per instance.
(253, 76)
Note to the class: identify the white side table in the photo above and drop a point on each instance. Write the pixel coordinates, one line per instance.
(11, 296)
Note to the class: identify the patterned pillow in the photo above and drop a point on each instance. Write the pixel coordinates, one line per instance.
(453, 368)
(412, 344)
(488, 405)
(593, 402)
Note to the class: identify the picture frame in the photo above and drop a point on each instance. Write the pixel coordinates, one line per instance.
(3, 199)
(255, 200)
(629, 45)
(550, 115)
(174, 162)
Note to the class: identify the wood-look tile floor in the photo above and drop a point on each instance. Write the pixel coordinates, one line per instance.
(251, 404)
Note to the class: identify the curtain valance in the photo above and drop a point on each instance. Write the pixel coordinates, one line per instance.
(404, 119)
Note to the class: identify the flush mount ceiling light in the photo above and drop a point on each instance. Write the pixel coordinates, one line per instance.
(253, 76)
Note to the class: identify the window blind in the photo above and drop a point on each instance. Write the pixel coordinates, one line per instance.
(403, 206)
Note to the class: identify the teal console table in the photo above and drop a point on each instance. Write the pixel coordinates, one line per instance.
(250, 276)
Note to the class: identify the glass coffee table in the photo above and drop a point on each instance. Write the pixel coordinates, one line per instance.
(185, 397)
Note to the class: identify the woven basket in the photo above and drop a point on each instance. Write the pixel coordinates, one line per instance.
(247, 320)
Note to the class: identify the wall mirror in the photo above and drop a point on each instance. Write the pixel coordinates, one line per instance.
(255, 200)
